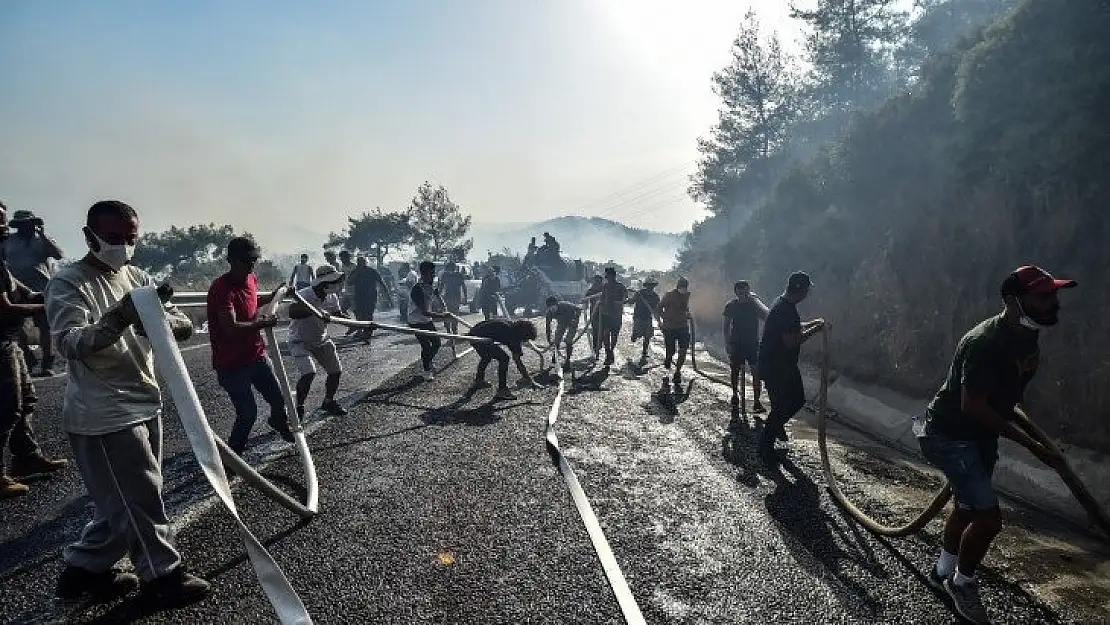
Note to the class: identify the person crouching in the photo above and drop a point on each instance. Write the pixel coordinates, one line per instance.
(511, 334)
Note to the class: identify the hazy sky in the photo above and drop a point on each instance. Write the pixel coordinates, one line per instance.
(282, 118)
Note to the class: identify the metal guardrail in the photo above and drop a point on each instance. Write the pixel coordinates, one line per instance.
(199, 299)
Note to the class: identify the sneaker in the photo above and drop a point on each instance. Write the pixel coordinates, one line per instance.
(35, 464)
(758, 407)
(78, 584)
(504, 393)
(282, 429)
(178, 587)
(332, 407)
(428, 375)
(935, 579)
(11, 488)
(967, 601)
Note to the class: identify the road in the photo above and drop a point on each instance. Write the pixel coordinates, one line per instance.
(437, 507)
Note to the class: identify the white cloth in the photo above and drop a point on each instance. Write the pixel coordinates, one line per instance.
(111, 384)
(312, 330)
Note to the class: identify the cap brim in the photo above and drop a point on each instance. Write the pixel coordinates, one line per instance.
(1064, 284)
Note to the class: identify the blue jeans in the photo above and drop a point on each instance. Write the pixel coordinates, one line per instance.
(969, 467)
(238, 383)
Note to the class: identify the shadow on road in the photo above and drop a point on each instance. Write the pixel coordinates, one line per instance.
(827, 545)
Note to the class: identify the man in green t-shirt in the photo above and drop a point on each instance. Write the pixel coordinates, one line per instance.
(985, 387)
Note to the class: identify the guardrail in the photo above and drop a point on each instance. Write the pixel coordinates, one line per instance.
(199, 299)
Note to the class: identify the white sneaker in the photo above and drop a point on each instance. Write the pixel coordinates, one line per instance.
(428, 375)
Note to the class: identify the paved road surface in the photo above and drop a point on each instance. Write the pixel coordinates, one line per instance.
(442, 508)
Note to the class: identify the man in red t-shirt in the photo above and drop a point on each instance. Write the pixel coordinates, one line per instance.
(238, 349)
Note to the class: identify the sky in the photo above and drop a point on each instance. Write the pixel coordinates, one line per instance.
(284, 118)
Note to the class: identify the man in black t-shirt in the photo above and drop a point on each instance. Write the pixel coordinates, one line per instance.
(741, 334)
(783, 335)
(983, 393)
(511, 334)
(452, 285)
(491, 292)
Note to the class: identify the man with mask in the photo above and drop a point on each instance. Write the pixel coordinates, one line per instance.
(645, 306)
(674, 314)
(302, 275)
(112, 415)
(238, 349)
(425, 305)
(741, 334)
(309, 342)
(613, 296)
(783, 335)
(17, 393)
(985, 388)
(29, 254)
(566, 317)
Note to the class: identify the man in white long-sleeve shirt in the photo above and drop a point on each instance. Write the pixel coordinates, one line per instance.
(113, 416)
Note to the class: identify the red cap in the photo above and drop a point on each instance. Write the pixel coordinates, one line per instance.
(1033, 279)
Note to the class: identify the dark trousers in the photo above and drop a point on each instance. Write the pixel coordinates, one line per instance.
(676, 340)
(17, 403)
(486, 353)
(429, 345)
(787, 394)
(240, 384)
(610, 329)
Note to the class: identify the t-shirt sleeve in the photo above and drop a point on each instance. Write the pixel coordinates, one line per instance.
(730, 310)
(978, 365)
(218, 297)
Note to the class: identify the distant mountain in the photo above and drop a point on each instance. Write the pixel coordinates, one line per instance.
(588, 238)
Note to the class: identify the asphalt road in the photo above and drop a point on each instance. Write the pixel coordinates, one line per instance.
(437, 507)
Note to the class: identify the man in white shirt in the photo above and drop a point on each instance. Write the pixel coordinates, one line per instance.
(406, 279)
(112, 413)
(309, 340)
(302, 275)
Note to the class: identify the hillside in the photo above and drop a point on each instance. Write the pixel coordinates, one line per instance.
(998, 156)
(588, 238)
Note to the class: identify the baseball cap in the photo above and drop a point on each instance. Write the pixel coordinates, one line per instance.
(1033, 279)
(799, 280)
(327, 275)
(242, 248)
(24, 217)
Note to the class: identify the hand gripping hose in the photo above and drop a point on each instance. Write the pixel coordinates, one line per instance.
(209, 451)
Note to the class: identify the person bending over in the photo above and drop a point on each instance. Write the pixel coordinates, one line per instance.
(566, 316)
(978, 402)
(309, 340)
(511, 334)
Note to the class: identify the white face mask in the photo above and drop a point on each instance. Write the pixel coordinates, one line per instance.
(1026, 321)
(115, 256)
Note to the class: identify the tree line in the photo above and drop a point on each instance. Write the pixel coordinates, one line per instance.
(431, 227)
(909, 161)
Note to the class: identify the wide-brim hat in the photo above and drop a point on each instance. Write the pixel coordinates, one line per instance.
(327, 275)
(24, 217)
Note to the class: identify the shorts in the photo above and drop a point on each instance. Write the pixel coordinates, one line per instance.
(969, 467)
(610, 323)
(454, 304)
(323, 353)
(642, 328)
(741, 353)
(785, 389)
